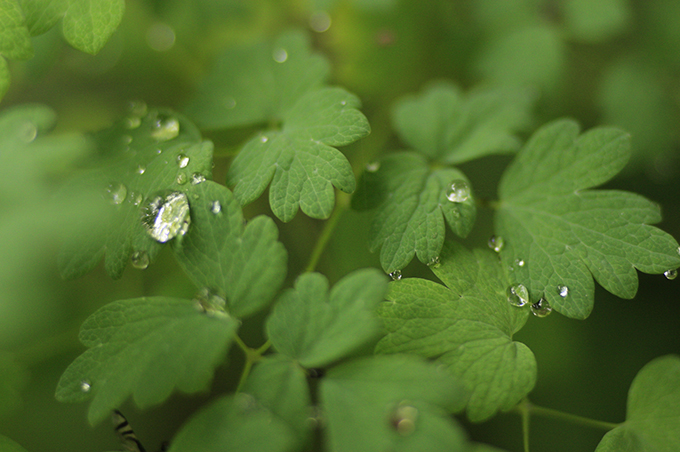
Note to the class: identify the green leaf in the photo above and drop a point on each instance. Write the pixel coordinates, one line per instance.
(15, 42)
(317, 328)
(568, 235)
(391, 403)
(41, 15)
(234, 423)
(7, 445)
(653, 413)
(245, 264)
(412, 203)
(467, 324)
(13, 379)
(88, 24)
(280, 385)
(448, 126)
(300, 160)
(596, 21)
(4, 77)
(148, 153)
(145, 347)
(258, 83)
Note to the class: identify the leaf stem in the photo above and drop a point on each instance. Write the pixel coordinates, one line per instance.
(341, 206)
(530, 408)
(252, 356)
(524, 407)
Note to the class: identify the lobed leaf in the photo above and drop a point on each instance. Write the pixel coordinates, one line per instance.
(467, 325)
(316, 327)
(145, 347)
(245, 264)
(366, 400)
(234, 423)
(412, 204)
(258, 83)
(451, 127)
(653, 413)
(300, 160)
(567, 234)
(143, 154)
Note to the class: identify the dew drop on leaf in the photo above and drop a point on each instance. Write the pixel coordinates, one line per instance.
(458, 191)
(373, 167)
(496, 243)
(137, 108)
(140, 260)
(141, 169)
(434, 262)
(520, 262)
(280, 55)
(404, 418)
(165, 215)
(563, 291)
(182, 161)
(671, 274)
(132, 122)
(135, 198)
(85, 385)
(210, 300)
(229, 103)
(395, 275)
(28, 132)
(263, 139)
(518, 295)
(197, 178)
(541, 308)
(215, 207)
(182, 179)
(316, 418)
(165, 129)
(117, 193)
(126, 139)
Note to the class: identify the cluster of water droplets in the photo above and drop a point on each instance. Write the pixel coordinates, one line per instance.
(210, 301)
(458, 191)
(165, 215)
(434, 262)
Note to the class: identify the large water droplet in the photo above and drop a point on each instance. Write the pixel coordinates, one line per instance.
(85, 385)
(541, 308)
(165, 129)
(496, 243)
(395, 275)
(671, 274)
(197, 178)
(165, 215)
(563, 291)
(116, 193)
(140, 260)
(216, 207)
(518, 295)
(182, 161)
(458, 191)
(404, 418)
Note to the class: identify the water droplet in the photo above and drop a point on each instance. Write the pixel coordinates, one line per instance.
(496, 243)
(404, 418)
(116, 192)
(263, 139)
(160, 37)
(320, 21)
(541, 308)
(133, 122)
(563, 291)
(229, 103)
(459, 191)
(165, 129)
(140, 260)
(141, 169)
(671, 274)
(520, 262)
(216, 207)
(434, 262)
(182, 160)
(27, 132)
(395, 275)
(165, 215)
(679, 250)
(136, 198)
(373, 167)
(126, 139)
(280, 55)
(197, 178)
(211, 300)
(137, 107)
(85, 386)
(181, 179)
(518, 295)
(316, 418)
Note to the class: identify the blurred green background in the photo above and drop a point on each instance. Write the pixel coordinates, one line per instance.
(599, 61)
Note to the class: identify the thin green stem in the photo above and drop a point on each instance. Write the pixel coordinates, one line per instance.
(327, 232)
(252, 356)
(524, 407)
(531, 409)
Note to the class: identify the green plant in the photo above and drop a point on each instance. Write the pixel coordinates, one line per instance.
(344, 360)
